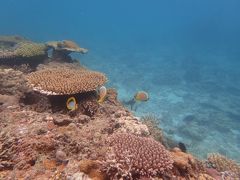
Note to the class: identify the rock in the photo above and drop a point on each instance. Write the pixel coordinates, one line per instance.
(83, 119)
(182, 160)
(61, 156)
(92, 169)
(62, 122)
(79, 176)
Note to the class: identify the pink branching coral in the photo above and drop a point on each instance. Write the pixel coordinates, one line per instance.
(131, 156)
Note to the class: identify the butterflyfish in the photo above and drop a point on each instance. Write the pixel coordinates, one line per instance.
(102, 93)
(71, 104)
(141, 96)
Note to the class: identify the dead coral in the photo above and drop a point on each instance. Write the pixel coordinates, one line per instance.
(65, 81)
(8, 101)
(23, 152)
(222, 163)
(60, 65)
(12, 82)
(185, 164)
(88, 106)
(132, 157)
(92, 169)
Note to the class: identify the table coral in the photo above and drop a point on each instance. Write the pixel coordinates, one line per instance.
(65, 81)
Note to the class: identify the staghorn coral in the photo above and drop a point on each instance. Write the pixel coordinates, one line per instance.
(131, 156)
(222, 163)
(65, 81)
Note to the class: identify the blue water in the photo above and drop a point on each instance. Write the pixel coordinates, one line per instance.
(185, 54)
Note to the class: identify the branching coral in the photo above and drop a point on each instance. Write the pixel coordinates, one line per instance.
(65, 81)
(131, 156)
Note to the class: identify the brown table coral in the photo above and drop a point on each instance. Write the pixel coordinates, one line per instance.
(65, 81)
(62, 49)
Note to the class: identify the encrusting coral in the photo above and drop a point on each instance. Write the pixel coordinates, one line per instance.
(132, 156)
(65, 81)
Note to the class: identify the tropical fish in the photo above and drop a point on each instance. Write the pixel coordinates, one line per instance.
(141, 96)
(71, 104)
(102, 92)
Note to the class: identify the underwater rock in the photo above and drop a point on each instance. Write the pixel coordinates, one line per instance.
(185, 164)
(8, 101)
(61, 156)
(12, 82)
(62, 122)
(92, 169)
(182, 147)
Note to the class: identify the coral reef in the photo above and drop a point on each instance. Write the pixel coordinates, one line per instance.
(223, 164)
(152, 123)
(27, 50)
(185, 163)
(62, 49)
(17, 50)
(12, 82)
(131, 156)
(66, 45)
(41, 139)
(65, 81)
(7, 42)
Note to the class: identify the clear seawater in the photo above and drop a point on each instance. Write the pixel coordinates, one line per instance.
(185, 54)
